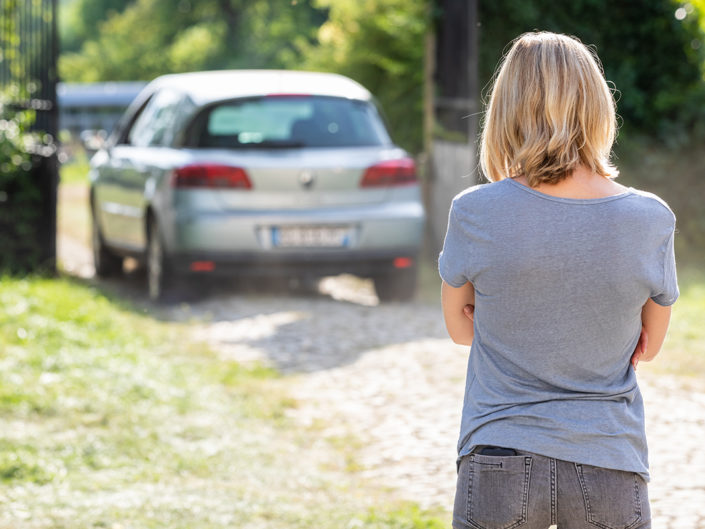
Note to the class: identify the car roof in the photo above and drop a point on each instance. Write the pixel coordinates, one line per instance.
(207, 87)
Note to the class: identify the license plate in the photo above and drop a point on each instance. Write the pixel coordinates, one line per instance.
(310, 237)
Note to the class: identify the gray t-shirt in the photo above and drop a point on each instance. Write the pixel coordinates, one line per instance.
(559, 288)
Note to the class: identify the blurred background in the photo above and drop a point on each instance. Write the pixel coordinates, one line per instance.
(428, 64)
(651, 50)
(275, 404)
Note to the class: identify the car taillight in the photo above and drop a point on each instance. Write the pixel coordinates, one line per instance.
(390, 173)
(211, 176)
(403, 262)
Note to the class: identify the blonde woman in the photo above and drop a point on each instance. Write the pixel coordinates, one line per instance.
(556, 275)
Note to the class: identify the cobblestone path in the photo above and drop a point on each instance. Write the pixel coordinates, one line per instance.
(387, 378)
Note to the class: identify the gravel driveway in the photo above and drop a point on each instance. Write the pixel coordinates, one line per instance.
(385, 379)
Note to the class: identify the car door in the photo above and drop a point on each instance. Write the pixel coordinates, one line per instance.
(130, 167)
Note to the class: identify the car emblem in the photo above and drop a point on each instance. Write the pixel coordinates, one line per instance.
(307, 178)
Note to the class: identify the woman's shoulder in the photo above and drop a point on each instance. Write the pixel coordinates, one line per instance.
(475, 195)
(652, 204)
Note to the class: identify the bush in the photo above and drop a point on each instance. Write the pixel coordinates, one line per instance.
(380, 44)
(24, 155)
(654, 58)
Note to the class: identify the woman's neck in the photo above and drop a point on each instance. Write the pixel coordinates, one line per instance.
(581, 183)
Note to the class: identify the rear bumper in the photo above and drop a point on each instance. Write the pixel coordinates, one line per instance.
(372, 228)
(242, 243)
(300, 263)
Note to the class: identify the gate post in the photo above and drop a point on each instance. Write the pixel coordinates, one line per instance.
(454, 115)
(28, 160)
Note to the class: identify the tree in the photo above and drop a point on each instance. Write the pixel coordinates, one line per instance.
(652, 57)
(152, 37)
(379, 43)
(81, 20)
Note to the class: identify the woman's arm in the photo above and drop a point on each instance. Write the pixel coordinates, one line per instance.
(458, 318)
(654, 320)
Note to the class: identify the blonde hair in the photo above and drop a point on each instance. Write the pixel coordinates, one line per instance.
(550, 110)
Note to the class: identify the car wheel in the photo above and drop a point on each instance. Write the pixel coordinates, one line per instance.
(397, 285)
(106, 263)
(159, 280)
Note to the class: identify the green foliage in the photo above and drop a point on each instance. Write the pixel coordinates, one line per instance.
(379, 43)
(81, 20)
(23, 154)
(20, 198)
(653, 58)
(147, 38)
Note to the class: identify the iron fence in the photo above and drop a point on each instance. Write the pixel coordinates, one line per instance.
(28, 78)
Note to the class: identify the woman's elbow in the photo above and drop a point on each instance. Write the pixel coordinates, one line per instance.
(461, 337)
(651, 353)
(655, 320)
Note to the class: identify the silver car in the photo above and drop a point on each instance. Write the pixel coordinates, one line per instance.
(235, 173)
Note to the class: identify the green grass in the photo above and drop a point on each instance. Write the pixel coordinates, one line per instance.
(683, 352)
(77, 361)
(406, 517)
(76, 169)
(110, 417)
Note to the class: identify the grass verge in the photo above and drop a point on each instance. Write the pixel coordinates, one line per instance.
(76, 169)
(683, 352)
(110, 418)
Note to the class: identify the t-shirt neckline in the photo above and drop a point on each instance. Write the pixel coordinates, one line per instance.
(565, 200)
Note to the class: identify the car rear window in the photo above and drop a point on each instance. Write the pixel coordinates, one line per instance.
(290, 121)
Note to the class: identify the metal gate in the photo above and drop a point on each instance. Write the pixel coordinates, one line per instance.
(28, 167)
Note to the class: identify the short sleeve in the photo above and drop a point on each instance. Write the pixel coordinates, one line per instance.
(669, 291)
(451, 262)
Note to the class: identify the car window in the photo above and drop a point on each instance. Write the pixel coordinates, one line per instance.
(183, 113)
(155, 124)
(290, 121)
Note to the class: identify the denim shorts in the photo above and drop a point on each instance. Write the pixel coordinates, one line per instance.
(530, 491)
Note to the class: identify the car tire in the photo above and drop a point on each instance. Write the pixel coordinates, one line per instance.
(397, 285)
(159, 274)
(106, 263)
